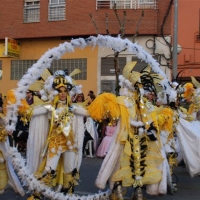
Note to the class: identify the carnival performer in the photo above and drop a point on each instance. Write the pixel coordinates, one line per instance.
(169, 152)
(63, 148)
(134, 155)
(167, 117)
(188, 128)
(8, 175)
(176, 122)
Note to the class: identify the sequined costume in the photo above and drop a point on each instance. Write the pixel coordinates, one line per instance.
(134, 155)
(62, 151)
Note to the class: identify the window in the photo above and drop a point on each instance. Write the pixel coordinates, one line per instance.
(70, 65)
(108, 86)
(20, 67)
(140, 65)
(57, 10)
(146, 4)
(127, 4)
(102, 4)
(31, 11)
(107, 65)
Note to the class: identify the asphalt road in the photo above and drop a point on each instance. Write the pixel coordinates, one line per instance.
(188, 188)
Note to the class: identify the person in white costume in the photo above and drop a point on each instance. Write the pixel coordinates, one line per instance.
(62, 151)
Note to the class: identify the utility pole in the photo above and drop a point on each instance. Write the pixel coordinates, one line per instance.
(175, 40)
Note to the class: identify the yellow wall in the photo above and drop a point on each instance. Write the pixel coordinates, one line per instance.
(33, 49)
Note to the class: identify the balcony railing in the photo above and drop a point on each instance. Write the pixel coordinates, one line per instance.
(126, 4)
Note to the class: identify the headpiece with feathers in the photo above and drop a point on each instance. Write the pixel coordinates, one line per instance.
(150, 80)
(173, 94)
(60, 78)
(48, 83)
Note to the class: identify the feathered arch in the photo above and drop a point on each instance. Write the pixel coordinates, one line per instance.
(116, 43)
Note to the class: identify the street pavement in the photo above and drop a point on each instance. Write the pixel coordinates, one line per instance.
(188, 188)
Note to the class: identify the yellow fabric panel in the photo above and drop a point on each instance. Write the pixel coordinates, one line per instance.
(124, 125)
(191, 109)
(127, 148)
(131, 111)
(152, 175)
(122, 174)
(3, 174)
(125, 160)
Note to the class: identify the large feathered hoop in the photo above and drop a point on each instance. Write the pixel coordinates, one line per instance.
(35, 71)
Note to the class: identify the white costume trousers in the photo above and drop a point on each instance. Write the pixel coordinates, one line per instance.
(69, 158)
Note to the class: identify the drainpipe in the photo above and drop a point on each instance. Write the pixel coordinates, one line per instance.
(175, 40)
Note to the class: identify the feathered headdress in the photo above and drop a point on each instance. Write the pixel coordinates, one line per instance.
(60, 78)
(150, 80)
(133, 77)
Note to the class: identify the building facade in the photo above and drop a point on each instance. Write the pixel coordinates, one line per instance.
(41, 25)
(189, 38)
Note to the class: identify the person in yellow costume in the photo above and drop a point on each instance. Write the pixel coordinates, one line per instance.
(188, 127)
(134, 155)
(62, 151)
(168, 148)
(7, 172)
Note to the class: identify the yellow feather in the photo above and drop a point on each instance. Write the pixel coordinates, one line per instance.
(104, 106)
(128, 68)
(76, 71)
(195, 82)
(165, 119)
(36, 86)
(189, 90)
(46, 73)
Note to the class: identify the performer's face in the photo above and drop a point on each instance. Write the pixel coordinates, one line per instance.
(62, 93)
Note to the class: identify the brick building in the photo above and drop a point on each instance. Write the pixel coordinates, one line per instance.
(42, 25)
(189, 38)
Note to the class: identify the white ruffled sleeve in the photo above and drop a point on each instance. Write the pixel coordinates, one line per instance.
(39, 111)
(79, 111)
